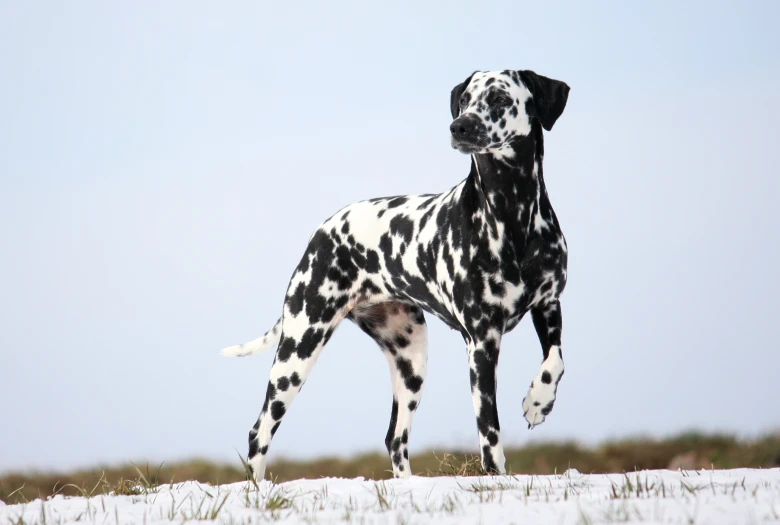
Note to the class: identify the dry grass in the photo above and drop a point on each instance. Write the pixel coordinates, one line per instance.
(720, 451)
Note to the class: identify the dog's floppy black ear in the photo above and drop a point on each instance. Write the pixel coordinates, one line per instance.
(549, 96)
(455, 95)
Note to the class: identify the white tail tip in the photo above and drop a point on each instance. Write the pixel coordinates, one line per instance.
(270, 338)
(234, 351)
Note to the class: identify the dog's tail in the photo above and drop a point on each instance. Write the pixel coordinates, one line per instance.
(270, 338)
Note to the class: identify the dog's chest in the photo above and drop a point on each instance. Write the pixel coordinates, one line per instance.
(518, 265)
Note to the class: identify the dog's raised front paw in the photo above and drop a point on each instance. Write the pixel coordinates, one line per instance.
(539, 400)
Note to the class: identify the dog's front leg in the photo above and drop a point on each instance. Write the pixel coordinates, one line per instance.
(483, 358)
(538, 403)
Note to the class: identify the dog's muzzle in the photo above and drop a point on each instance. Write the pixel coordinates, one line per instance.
(469, 134)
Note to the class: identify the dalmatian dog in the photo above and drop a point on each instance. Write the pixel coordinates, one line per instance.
(478, 257)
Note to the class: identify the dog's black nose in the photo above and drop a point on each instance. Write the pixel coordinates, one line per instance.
(466, 129)
(462, 128)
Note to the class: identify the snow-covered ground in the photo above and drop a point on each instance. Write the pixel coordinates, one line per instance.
(742, 496)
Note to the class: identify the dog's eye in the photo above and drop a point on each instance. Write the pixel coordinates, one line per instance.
(500, 100)
(464, 100)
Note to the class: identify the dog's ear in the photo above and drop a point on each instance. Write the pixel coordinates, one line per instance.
(455, 95)
(549, 96)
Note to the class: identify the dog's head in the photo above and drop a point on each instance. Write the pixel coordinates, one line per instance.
(492, 108)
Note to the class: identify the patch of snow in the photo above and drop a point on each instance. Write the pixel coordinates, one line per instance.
(658, 496)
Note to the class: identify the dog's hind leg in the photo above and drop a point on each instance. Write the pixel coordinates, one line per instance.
(304, 333)
(297, 353)
(400, 331)
(538, 403)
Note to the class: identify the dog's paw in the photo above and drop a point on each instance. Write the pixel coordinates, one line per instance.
(539, 400)
(257, 467)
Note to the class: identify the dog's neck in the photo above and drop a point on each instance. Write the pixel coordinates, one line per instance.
(508, 185)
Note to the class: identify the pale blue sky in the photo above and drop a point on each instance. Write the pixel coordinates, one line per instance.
(162, 165)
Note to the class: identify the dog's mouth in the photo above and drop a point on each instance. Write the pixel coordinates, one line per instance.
(470, 147)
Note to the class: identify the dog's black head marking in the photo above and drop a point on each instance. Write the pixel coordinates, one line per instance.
(549, 97)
